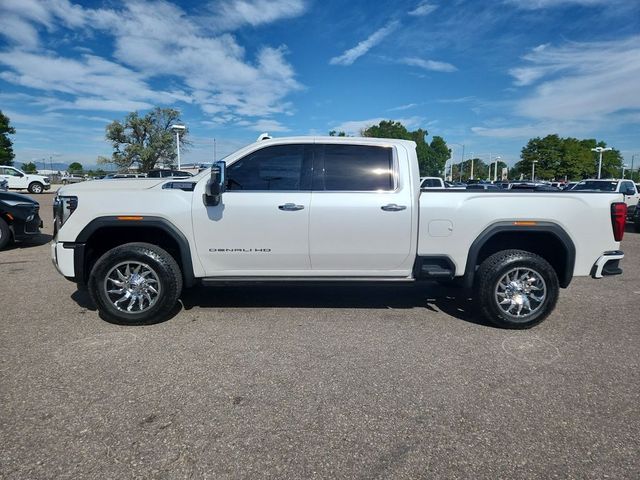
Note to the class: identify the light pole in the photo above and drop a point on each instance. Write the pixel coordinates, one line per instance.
(495, 175)
(624, 167)
(178, 129)
(600, 150)
(533, 170)
(471, 178)
(633, 157)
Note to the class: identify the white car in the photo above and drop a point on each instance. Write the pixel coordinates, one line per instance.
(73, 178)
(625, 187)
(323, 209)
(18, 180)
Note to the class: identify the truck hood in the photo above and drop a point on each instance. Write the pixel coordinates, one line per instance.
(112, 184)
(17, 197)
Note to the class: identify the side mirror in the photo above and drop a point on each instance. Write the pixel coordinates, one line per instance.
(216, 184)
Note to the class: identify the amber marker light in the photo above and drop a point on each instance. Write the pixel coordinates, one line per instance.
(130, 218)
(525, 224)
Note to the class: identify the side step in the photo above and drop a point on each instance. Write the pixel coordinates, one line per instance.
(434, 268)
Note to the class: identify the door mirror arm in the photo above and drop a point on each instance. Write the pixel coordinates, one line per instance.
(216, 185)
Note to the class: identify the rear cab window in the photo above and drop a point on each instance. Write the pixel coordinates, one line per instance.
(354, 168)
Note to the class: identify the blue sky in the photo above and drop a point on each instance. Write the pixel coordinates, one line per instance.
(486, 74)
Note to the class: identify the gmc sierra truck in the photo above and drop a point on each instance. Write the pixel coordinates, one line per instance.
(327, 209)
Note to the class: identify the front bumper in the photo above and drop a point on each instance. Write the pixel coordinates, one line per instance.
(607, 264)
(27, 226)
(63, 258)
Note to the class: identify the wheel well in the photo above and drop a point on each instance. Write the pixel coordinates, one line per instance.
(106, 238)
(543, 243)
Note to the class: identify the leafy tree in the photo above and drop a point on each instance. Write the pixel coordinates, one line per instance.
(571, 158)
(144, 140)
(431, 157)
(333, 133)
(6, 145)
(75, 167)
(29, 167)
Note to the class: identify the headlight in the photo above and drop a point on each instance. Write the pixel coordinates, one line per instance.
(63, 207)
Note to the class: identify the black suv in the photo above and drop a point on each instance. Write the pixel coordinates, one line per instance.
(19, 217)
(161, 173)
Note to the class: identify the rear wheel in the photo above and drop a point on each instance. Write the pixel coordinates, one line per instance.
(135, 283)
(35, 187)
(5, 234)
(516, 289)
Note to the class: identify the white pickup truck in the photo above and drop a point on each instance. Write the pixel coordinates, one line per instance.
(321, 209)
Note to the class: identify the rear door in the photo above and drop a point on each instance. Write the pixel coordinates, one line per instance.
(361, 212)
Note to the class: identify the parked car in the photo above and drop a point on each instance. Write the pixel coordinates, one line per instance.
(73, 178)
(135, 245)
(431, 182)
(483, 186)
(162, 173)
(124, 175)
(533, 186)
(18, 180)
(19, 217)
(626, 187)
(4, 185)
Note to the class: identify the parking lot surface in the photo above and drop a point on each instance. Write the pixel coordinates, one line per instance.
(308, 382)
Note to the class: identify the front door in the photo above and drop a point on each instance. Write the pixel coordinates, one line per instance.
(261, 227)
(14, 177)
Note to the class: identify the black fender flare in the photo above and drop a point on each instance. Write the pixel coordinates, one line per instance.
(163, 224)
(512, 226)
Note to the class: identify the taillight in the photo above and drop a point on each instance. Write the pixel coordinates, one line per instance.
(618, 219)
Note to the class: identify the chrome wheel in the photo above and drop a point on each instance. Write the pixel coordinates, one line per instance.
(520, 292)
(132, 287)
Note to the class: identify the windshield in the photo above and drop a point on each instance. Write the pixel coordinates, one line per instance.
(595, 185)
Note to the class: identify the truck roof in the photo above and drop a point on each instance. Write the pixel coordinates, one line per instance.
(330, 139)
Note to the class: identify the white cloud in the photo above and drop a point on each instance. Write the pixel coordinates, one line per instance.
(581, 80)
(351, 55)
(400, 108)
(540, 4)
(210, 69)
(423, 9)
(431, 65)
(267, 125)
(229, 15)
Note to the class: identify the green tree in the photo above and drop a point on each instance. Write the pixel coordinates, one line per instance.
(431, 157)
(333, 133)
(29, 167)
(144, 140)
(75, 167)
(6, 145)
(558, 158)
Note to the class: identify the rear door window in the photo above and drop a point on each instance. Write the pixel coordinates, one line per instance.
(354, 168)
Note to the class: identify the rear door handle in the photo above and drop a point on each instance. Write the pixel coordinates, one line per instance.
(290, 207)
(392, 207)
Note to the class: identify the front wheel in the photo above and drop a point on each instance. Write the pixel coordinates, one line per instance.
(35, 187)
(5, 234)
(516, 289)
(135, 284)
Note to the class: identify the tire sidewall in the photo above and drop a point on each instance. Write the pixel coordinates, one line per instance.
(163, 265)
(5, 234)
(36, 188)
(518, 260)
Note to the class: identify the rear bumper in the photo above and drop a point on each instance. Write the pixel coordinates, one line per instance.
(608, 264)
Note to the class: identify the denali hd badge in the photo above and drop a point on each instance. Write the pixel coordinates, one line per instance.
(240, 250)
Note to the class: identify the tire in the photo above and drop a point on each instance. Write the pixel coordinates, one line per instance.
(533, 282)
(64, 182)
(36, 188)
(5, 234)
(112, 292)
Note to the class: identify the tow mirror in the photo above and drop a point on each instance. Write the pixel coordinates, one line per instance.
(216, 184)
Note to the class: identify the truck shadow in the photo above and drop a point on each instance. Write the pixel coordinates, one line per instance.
(434, 298)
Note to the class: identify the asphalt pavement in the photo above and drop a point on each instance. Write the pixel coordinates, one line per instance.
(309, 382)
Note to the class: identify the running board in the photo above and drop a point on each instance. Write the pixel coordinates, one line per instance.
(435, 267)
(215, 281)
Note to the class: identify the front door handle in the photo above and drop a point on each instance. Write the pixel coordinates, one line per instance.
(290, 207)
(392, 207)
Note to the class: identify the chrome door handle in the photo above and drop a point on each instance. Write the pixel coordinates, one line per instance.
(392, 207)
(290, 207)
